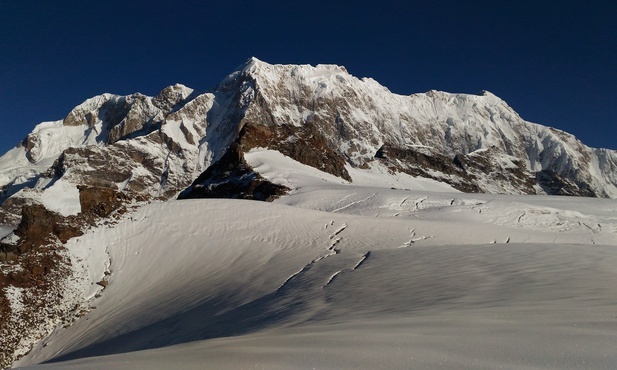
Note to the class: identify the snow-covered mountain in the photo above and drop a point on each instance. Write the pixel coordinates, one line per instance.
(331, 142)
(320, 116)
(474, 142)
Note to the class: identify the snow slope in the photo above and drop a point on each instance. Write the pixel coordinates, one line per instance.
(340, 275)
(477, 307)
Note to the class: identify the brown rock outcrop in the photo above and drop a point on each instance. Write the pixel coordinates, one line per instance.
(100, 202)
(305, 144)
(39, 227)
(232, 177)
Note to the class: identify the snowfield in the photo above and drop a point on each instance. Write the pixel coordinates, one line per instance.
(386, 272)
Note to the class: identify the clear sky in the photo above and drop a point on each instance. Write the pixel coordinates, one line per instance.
(554, 62)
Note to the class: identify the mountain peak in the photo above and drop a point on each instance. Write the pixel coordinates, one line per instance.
(256, 66)
(172, 95)
(251, 64)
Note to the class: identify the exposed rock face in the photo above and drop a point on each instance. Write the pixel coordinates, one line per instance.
(39, 224)
(10, 209)
(39, 227)
(232, 177)
(552, 183)
(100, 202)
(490, 171)
(426, 162)
(35, 277)
(305, 144)
(31, 270)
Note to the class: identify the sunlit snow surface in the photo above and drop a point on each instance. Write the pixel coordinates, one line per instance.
(387, 272)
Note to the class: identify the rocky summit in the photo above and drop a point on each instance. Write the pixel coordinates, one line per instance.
(113, 152)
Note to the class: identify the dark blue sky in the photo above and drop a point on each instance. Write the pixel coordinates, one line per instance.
(554, 62)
